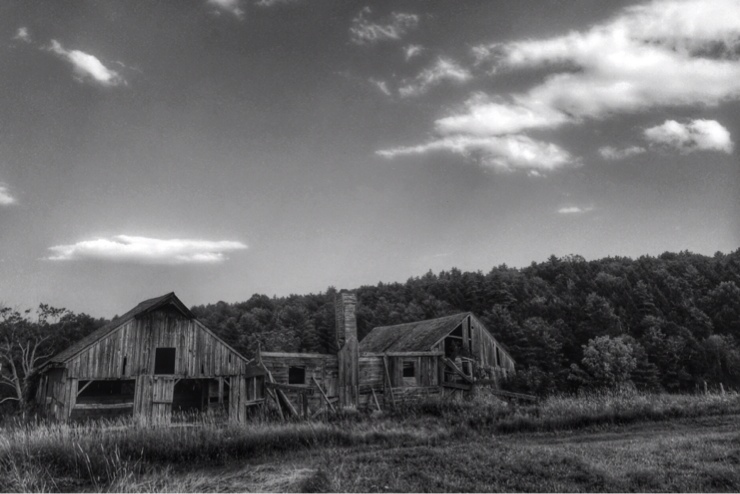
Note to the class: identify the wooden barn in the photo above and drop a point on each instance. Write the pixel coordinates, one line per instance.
(151, 362)
(391, 364)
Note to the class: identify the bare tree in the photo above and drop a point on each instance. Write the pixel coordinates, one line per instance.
(22, 348)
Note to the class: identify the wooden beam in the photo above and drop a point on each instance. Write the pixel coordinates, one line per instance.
(389, 382)
(295, 355)
(103, 406)
(326, 398)
(376, 399)
(303, 389)
(288, 403)
(452, 366)
(84, 387)
(277, 402)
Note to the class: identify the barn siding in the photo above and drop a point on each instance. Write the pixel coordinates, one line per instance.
(324, 368)
(199, 354)
(136, 340)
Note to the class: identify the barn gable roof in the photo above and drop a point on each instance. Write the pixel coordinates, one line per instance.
(100, 333)
(419, 336)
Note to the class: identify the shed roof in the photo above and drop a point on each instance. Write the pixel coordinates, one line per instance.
(417, 336)
(143, 307)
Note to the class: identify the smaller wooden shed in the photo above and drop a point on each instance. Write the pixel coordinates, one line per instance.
(155, 360)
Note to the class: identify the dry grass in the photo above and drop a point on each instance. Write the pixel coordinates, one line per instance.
(428, 444)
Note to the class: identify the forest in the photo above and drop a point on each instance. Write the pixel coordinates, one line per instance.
(665, 323)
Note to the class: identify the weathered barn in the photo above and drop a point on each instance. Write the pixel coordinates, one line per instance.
(391, 364)
(154, 360)
(157, 359)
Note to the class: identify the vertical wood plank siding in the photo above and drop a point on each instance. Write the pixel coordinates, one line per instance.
(199, 354)
(195, 349)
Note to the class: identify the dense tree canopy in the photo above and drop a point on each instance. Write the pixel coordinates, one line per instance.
(673, 320)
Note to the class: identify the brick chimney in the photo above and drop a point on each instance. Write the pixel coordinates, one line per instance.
(344, 309)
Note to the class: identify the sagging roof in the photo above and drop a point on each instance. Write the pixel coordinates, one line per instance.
(143, 307)
(417, 336)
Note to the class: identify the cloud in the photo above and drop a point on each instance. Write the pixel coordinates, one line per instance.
(363, 31)
(411, 51)
(22, 34)
(665, 53)
(143, 250)
(87, 67)
(697, 135)
(483, 115)
(382, 85)
(6, 199)
(501, 153)
(574, 210)
(442, 70)
(612, 153)
(231, 6)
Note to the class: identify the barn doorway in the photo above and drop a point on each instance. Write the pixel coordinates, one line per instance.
(190, 397)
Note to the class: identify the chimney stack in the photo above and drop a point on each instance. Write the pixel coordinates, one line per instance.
(344, 308)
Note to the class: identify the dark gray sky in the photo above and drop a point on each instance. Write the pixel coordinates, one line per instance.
(219, 148)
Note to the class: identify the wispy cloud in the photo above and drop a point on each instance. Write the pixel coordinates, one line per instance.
(442, 70)
(696, 135)
(382, 85)
(412, 51)
(363, 31)
(613, 153)
(666, 53)
(143, 250)
(501, 153)
(230, 6)
(6, 199)
(574, 210)
(22, 34)
(87, 68)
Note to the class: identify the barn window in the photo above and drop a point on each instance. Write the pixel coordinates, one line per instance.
(409, 369)
(296, 375)
(164, 361)
(409, 372)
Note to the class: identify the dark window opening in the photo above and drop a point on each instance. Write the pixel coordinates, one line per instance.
(229, 358)
(202, 368)
(106, 392)
(164, 361)
(498, 358)
(296, 375)
(409, 369)
(123, 367)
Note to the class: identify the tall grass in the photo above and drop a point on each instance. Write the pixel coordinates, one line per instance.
(563, 412)
(112, 455)
(52, 457)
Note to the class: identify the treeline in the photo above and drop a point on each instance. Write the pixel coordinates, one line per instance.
(670, 322)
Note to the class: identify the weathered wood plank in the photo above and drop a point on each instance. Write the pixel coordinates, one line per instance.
(290, 387)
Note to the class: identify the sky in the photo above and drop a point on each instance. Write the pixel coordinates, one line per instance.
(221, 148)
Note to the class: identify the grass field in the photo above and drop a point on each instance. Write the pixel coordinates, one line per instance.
(608, 442)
